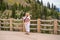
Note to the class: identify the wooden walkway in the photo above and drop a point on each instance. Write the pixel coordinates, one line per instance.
(10, 35)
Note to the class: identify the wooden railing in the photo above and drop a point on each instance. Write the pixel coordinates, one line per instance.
(51, 26)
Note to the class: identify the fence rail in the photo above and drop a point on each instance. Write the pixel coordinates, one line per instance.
(41, 26)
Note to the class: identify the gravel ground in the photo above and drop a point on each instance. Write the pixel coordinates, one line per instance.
(10, 35)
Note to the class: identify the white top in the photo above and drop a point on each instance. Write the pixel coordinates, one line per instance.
(26, 19)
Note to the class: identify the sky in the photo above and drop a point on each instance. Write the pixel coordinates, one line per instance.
(55, 2)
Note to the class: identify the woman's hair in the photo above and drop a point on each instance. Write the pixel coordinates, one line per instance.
(27, 13)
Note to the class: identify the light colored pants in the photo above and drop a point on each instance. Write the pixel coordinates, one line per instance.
(27, 27)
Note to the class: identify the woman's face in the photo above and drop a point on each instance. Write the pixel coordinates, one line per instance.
(27, 14)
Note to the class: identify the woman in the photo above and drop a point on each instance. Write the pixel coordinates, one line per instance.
(26, 19)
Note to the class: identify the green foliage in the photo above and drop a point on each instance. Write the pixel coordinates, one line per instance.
(28, 1)
(27, 8)
(20, 7)
(36, 9)
(13, 12)
(3, 7)
(48, 5)
(41, 2)
(38, 1)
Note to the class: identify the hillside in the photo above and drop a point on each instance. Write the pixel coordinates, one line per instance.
(22, 2)
(35, 8)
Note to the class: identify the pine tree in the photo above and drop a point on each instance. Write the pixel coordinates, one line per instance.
(41, 2)
(48, 5)
(3, 6)
(20, 7)
(45, 12)
(0, 6)
(29, 1)
(52, 6)
(38, 1)
(14, 7)
(1, 1)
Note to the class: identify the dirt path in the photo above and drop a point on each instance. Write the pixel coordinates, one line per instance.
(10, 35)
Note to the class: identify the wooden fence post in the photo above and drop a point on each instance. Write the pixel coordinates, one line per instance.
(11, 25)
(23, 26)
(0, 25)
(55, 26)
(38, 25)
(4, 24)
